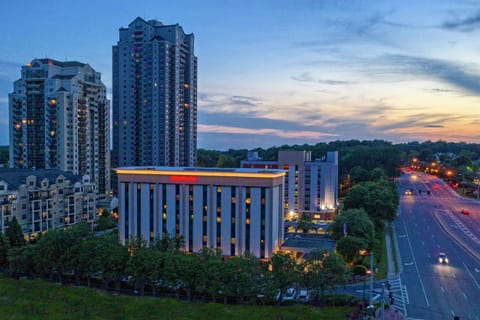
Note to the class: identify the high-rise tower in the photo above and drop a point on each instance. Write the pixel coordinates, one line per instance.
(154, 96)
(60, 119)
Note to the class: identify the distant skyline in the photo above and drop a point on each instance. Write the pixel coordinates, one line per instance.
(284, 72)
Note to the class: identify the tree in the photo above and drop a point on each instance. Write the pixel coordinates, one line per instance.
(106, 221)
(323, 271)
(378, 198)
(111, 260)
(143, 266)
(358, 224)
(359, 174)
(305, 223)
(21, 260)
(84, 258)
(169, 243)
(285, 272)
(349, 247)
(211, 268)
(4, 247)
(15, 233)
(247, 281)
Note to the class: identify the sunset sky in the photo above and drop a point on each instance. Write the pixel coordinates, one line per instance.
(284, 72)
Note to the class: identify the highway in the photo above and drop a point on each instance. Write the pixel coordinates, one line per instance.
(431, 222)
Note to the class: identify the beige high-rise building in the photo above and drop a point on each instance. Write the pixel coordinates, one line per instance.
(60, 119)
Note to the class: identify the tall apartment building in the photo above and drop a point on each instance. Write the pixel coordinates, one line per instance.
(310, 185)
(43, 200)
(154, 96)
(231, 210)
(60, 119)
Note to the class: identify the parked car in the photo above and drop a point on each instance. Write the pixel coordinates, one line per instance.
(304, 296)
(290, 294)
(465, 211)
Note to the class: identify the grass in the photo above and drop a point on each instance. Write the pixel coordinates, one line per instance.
(392, 245)
(380, 255)
(38, 299)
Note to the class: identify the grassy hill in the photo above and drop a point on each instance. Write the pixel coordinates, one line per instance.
(37, 299)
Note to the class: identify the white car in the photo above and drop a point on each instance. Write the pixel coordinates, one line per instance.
(290, 295)
(303, 296)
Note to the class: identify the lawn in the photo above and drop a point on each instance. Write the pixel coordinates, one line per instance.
(381, 256)
(37, 299)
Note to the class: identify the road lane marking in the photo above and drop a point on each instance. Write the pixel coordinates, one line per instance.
(415, 263)
(408, 263)
(464, 295)
(453, 312)
(453, 275)
(471, 275)
(476, 270)
(443, 290)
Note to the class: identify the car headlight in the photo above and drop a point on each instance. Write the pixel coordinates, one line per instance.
(446, 260)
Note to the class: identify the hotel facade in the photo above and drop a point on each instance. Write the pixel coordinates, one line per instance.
(310, 185)
(231, 210)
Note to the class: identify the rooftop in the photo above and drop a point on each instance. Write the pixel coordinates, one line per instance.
(308, 244)
(16, 177)
(197, 171)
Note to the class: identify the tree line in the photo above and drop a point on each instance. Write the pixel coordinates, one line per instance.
(77, 255)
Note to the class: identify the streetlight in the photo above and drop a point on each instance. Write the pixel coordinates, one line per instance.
(476, 181)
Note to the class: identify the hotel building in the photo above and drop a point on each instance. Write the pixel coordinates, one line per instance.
(154, 96)
(43, 200)
(60, 119)
(309, 185)
(232, 210)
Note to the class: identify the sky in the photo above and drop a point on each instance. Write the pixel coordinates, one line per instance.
(276, 72)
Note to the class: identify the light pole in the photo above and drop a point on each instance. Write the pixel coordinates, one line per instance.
(371, 279)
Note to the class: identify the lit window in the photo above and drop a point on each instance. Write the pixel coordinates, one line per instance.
(247, 201)
(219, 219)
(247, 221)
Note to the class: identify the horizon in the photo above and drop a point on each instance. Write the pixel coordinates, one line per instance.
(276, 73)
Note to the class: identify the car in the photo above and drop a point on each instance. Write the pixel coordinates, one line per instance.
(290, 294)
(442, 258)
(465, 211)
(408, 192)
(304, 296)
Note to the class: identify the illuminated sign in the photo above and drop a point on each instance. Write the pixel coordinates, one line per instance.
(183, 179)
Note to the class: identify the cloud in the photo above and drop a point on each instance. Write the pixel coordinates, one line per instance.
(459, 75)
(440, 90)
(465, 25)
(246, 101)
(434, 126)
(333, 82)
(304, 77)
(308, 135)
(307, 77)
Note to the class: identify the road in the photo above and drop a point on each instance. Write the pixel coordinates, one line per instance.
(430, 222)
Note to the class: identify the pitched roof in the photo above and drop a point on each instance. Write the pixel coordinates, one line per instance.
(16, 177)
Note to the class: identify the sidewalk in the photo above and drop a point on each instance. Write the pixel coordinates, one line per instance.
(390, 313)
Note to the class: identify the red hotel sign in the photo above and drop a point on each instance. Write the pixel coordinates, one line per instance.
(183, 179)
